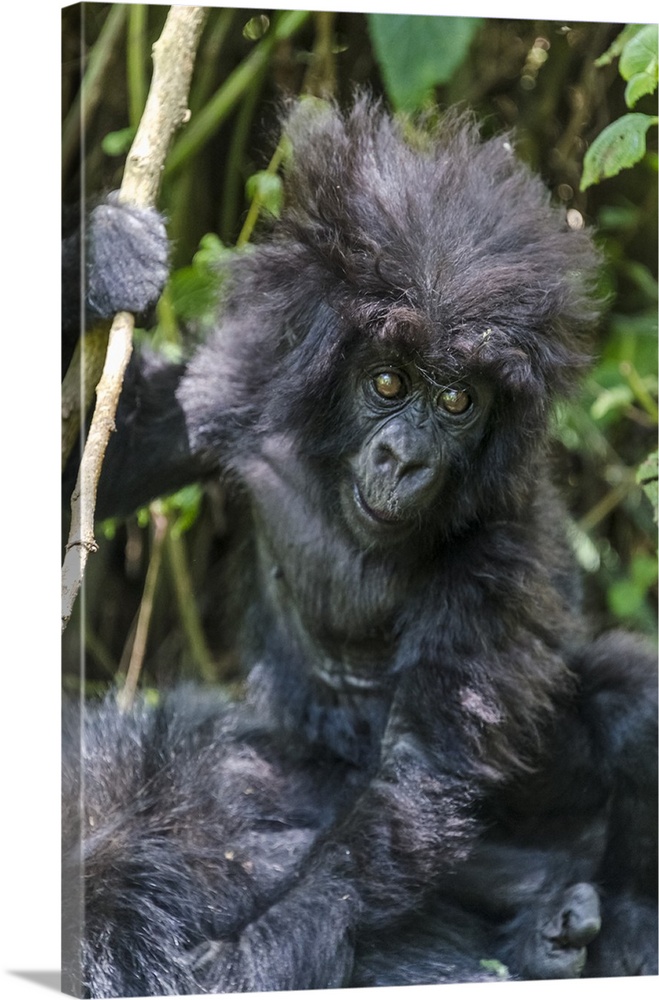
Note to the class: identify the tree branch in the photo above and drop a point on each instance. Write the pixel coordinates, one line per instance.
(166, 109)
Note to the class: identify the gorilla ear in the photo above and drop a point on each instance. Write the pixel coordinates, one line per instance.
(551, 369)
(515, 370)
(526, 368)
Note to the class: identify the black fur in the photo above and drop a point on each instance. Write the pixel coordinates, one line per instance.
(435, 763)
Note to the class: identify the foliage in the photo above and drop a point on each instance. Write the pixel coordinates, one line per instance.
(418, 52)
(267, 187)
(623, 143)
(618, 391)
(193, 294)
(636, 47)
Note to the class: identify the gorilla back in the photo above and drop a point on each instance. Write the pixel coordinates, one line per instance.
(435, 762)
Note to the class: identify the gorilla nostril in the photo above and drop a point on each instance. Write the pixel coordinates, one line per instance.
(414, 478)
(386, 459)
(415, 470)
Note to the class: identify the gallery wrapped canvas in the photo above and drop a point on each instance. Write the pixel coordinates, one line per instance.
(358, 684)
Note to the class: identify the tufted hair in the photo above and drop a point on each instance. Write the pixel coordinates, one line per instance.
(420, 234)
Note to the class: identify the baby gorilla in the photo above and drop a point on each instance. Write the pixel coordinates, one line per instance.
(434, 763)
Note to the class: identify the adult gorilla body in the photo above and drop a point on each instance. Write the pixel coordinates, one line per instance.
(435, 763)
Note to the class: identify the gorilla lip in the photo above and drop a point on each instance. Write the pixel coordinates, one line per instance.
(380, 517)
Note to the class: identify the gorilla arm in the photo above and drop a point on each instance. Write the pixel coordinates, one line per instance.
(150, 454)
(415, 821)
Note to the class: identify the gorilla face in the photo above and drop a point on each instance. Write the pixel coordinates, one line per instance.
(416, 427)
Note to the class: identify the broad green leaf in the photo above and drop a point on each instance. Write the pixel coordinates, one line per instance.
(195, 290)
(621, 144)
(645, 281)
(619, 217)
(639, 65)
(638, 87)
(640, 54)
(416, 52)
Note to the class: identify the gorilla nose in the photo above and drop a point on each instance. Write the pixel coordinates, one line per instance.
(406, 472)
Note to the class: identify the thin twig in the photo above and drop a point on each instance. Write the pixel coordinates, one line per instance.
(256, 205)
(320, 80)
(187, 607)
(126, 696)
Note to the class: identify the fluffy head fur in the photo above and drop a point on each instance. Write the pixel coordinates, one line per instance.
(429, 244)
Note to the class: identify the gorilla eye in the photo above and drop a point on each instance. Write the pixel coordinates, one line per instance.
(389, 385)
(455, 401)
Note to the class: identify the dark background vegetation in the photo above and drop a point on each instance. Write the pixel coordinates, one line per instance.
(537, 78)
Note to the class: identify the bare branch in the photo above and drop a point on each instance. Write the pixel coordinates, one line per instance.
(165, 111)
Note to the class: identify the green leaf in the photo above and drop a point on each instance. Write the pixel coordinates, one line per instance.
(640, 54)
(634, 338)
(638, 87)
(256, 27)
(211, 252)
(417, 52)
(183, 508)
(639, 65)
(644, 280)
(619, 218)
(118, 143)
(267, 187)
(620, 145)
(194, 293)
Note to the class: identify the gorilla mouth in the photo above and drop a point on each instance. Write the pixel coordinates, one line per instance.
(385, 517)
